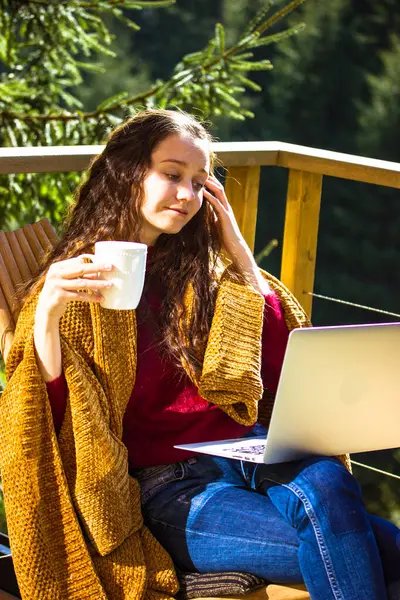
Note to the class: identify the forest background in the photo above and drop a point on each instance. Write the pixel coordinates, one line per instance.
(335, 85)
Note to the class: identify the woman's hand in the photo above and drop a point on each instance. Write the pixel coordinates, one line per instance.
(232, 238)
(233, 241)
(67, 280)
(71, 279)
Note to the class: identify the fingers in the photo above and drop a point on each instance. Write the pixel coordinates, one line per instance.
(215, 186)
(81, 296)
(75, 279)
(60, 291)
(76, 267)
(95, 285)
(216, 192)
(215, 202)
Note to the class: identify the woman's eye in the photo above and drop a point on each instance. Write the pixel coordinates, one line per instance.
(173, 176)
(198, 186)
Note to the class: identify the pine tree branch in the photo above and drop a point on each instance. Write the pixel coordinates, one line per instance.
(131, 101)
(82, 115)
(279, 15)
(95, 5)
(122, 2)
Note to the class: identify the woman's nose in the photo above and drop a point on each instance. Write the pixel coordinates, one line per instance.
(184, 191)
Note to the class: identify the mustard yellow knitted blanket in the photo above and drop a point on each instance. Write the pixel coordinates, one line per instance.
(73, 511)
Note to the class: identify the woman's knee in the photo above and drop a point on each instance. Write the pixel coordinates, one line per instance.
(328, 473)
(334, 491)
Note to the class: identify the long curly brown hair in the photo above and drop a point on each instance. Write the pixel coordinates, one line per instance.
(107, 207)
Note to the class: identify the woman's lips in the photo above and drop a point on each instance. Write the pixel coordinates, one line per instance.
(179, 211)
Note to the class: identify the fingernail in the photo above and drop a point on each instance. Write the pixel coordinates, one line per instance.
(108, 266)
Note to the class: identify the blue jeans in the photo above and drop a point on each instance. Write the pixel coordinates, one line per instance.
(295, 522)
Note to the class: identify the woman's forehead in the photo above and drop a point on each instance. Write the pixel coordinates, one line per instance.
(185, 150)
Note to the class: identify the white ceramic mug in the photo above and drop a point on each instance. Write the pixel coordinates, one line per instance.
(129, 262)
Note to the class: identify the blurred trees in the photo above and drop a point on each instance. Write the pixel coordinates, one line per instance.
(338, 88)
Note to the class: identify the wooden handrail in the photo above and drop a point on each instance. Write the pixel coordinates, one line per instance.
(243, 161)
(51, 159)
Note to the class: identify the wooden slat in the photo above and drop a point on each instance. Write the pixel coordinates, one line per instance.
(33, 242)
(49, 231)
(300, 235)
(8, 289)
(7, 596)
(7, 326)
(280, 592)
(26, 250)
(271, 592)
(18, 255)
(14, 273)
(9, 261)
(42, 237)
(241, 186)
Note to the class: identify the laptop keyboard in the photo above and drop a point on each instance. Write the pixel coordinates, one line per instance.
(259, 449)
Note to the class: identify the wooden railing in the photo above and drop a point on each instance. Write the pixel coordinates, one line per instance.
(243, 161)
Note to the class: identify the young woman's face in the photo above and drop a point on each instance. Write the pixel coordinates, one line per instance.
(173, 187)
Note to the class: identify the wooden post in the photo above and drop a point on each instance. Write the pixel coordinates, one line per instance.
(300, 234)
(241, 186)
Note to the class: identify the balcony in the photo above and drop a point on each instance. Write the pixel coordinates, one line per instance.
(243, 161)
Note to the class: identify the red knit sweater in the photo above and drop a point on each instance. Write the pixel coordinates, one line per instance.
(165, 408)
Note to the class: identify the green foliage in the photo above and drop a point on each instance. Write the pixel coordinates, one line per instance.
(46, 47)
(380, 116)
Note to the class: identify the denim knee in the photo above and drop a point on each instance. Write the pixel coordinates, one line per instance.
(318, 486)
(334, 491)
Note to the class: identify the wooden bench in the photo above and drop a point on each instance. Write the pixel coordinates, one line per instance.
(271, 592)
(21, 251)
(6, 596)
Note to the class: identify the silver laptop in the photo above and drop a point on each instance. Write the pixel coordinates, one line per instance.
(339, 392)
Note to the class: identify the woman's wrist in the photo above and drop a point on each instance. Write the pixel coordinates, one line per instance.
(46, 335)
(245, 263)
(47, 318)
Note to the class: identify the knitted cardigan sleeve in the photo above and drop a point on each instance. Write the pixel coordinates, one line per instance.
(73, 512)
(231, 375)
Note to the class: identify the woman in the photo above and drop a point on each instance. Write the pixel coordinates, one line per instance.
(97, 399)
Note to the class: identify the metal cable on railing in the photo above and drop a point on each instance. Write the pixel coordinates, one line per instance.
(370, 308)
(354, 462)
(378, 310)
